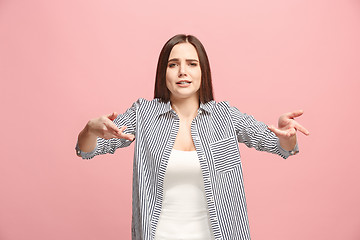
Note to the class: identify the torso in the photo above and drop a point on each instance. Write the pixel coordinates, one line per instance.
(184, 212)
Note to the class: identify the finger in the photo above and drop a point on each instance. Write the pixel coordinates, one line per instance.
(112, 116)
(110, 136)
(301, 129)
(294, 114)
(121, 134)
(277, 131)
(120, 131)
(112, 127)
(130, 137)
(282, 133)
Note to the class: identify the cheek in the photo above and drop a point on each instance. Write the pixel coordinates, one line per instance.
(199, 78)
(167, 83)
(168, 79)
(197, 74)
(169, 75)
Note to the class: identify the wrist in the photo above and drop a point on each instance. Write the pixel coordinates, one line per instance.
(87, 141)
(86, 137)
(88, 131)
(288, 144)
(288, 151)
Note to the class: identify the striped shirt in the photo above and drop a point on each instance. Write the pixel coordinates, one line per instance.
(216, 131)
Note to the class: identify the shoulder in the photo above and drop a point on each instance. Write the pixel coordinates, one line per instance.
(223, 104)
(220, 106)
(224, 108)
(150, 103)
(150, 106)
(144, 102)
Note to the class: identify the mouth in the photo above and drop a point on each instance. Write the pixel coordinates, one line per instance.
(183, 82)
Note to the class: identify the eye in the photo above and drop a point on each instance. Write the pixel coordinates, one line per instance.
(171, 65)
(194, 64)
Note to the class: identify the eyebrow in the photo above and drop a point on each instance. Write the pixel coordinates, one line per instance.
(177, 60)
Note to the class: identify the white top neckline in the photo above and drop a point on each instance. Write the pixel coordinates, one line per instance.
(183, 150)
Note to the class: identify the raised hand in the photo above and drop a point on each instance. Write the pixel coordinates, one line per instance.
(104, 127)
(287, 127)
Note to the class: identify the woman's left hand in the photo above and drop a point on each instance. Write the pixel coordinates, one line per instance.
(286, 130)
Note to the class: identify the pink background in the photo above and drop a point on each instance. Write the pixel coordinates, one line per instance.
(65, 62)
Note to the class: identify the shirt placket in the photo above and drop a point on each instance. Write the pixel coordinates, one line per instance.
(206, 177)
(167, 151)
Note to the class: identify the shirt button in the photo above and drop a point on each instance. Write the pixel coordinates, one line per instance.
(211, 199)
(200, 111)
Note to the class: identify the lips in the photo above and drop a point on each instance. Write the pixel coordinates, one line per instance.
(183, 82)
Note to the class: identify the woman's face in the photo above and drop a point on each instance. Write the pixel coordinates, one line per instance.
(183, 72)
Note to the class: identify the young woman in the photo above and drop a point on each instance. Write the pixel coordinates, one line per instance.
(187, 175)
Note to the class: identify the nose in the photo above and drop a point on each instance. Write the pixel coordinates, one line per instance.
(182, 70)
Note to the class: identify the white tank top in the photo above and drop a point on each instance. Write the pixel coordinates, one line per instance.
(184, 213)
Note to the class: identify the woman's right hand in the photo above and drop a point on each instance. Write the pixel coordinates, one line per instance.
(104, 127)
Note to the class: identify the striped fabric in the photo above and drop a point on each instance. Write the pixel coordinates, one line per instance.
(216, 130)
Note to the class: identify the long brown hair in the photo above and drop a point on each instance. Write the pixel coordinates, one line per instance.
(206, 90)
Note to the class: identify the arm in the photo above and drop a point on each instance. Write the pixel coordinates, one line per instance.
(257, 134)
(102, 127)
(107, 133)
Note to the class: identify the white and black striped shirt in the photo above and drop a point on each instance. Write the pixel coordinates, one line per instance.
(215, 130)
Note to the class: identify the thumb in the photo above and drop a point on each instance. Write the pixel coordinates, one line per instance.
(271, 128)
(112, 116)
(275, 130)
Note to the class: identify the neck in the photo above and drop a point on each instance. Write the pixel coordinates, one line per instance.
(185, 108)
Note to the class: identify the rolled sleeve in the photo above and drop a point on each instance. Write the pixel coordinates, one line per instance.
(256, 134)
(86, 155)
(284, 153)
(103, 146)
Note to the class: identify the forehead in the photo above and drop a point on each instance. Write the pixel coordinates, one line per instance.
(184, 50)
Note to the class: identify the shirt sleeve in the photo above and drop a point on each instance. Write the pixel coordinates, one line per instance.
(256, 134)
(103, 146)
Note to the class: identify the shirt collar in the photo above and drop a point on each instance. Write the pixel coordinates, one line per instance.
(166, 107)
(208, 107)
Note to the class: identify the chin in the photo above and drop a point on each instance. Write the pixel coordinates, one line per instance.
(185, 96)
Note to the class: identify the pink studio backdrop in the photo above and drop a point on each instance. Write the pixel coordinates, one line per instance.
(65, 62)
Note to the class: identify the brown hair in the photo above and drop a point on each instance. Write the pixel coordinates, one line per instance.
(206, 90)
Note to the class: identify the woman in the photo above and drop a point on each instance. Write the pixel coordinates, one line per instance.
(187, 175)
